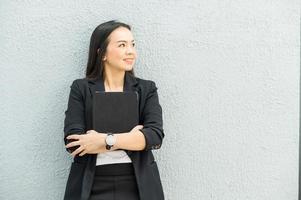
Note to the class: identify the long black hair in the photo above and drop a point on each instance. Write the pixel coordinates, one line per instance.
(98, 46)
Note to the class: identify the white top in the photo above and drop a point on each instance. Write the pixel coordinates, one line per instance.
(117, 156)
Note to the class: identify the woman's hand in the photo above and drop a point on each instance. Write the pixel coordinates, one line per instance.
(90, 143)
(138, 127)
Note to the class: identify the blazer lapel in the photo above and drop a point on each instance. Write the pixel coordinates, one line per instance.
(130, 82)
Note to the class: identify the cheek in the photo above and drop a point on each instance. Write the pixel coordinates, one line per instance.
(115, 55)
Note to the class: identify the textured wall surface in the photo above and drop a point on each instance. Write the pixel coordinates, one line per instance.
(228, 79)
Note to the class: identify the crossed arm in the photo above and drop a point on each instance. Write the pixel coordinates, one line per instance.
(94, 142)
(142, 137)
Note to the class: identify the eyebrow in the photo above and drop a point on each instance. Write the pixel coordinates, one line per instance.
(124, 41)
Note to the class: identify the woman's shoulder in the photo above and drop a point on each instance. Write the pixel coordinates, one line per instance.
(142, 80)
(78, 82)
(146, 83)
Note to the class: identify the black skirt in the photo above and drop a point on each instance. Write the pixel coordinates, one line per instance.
(114, 182)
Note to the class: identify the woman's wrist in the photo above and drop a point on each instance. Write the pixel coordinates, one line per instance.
(102, 141)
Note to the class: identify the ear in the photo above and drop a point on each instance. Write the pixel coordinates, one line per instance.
(98, 52)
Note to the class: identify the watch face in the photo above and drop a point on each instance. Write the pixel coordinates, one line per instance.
(110, 140)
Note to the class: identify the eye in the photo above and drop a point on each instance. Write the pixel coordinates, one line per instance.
(134, 44)
(123, 45)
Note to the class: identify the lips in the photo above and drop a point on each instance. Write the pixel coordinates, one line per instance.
(129, 60)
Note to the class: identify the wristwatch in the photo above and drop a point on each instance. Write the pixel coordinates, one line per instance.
(110, 140)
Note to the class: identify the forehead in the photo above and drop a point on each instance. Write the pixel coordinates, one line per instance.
(121, 33)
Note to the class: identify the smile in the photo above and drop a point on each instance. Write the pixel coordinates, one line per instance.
(128, 61)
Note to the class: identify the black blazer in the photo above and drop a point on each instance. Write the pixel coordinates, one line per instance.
(78, 118)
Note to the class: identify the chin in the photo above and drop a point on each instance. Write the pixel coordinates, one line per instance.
(128, 68)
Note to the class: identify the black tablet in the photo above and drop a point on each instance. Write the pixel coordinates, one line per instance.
(115, 112)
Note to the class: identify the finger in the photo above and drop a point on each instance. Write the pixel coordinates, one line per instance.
(83, 153)
(78, 150)
(72, 144)
(75, 136)
(138, 127)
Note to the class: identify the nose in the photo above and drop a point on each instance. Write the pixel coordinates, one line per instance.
(130, 50)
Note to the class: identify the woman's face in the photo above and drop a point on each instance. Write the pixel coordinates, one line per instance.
(120, 53)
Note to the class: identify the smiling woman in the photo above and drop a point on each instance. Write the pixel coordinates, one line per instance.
(107, 165)
(120, 54)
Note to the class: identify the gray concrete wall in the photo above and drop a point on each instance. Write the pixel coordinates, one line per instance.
(228, 79)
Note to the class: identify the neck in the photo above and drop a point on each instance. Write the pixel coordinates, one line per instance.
(114, 80)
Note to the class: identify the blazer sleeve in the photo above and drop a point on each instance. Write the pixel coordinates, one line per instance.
(152, 120)
(75, 114)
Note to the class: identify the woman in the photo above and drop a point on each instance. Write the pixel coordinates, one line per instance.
(126, 169)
